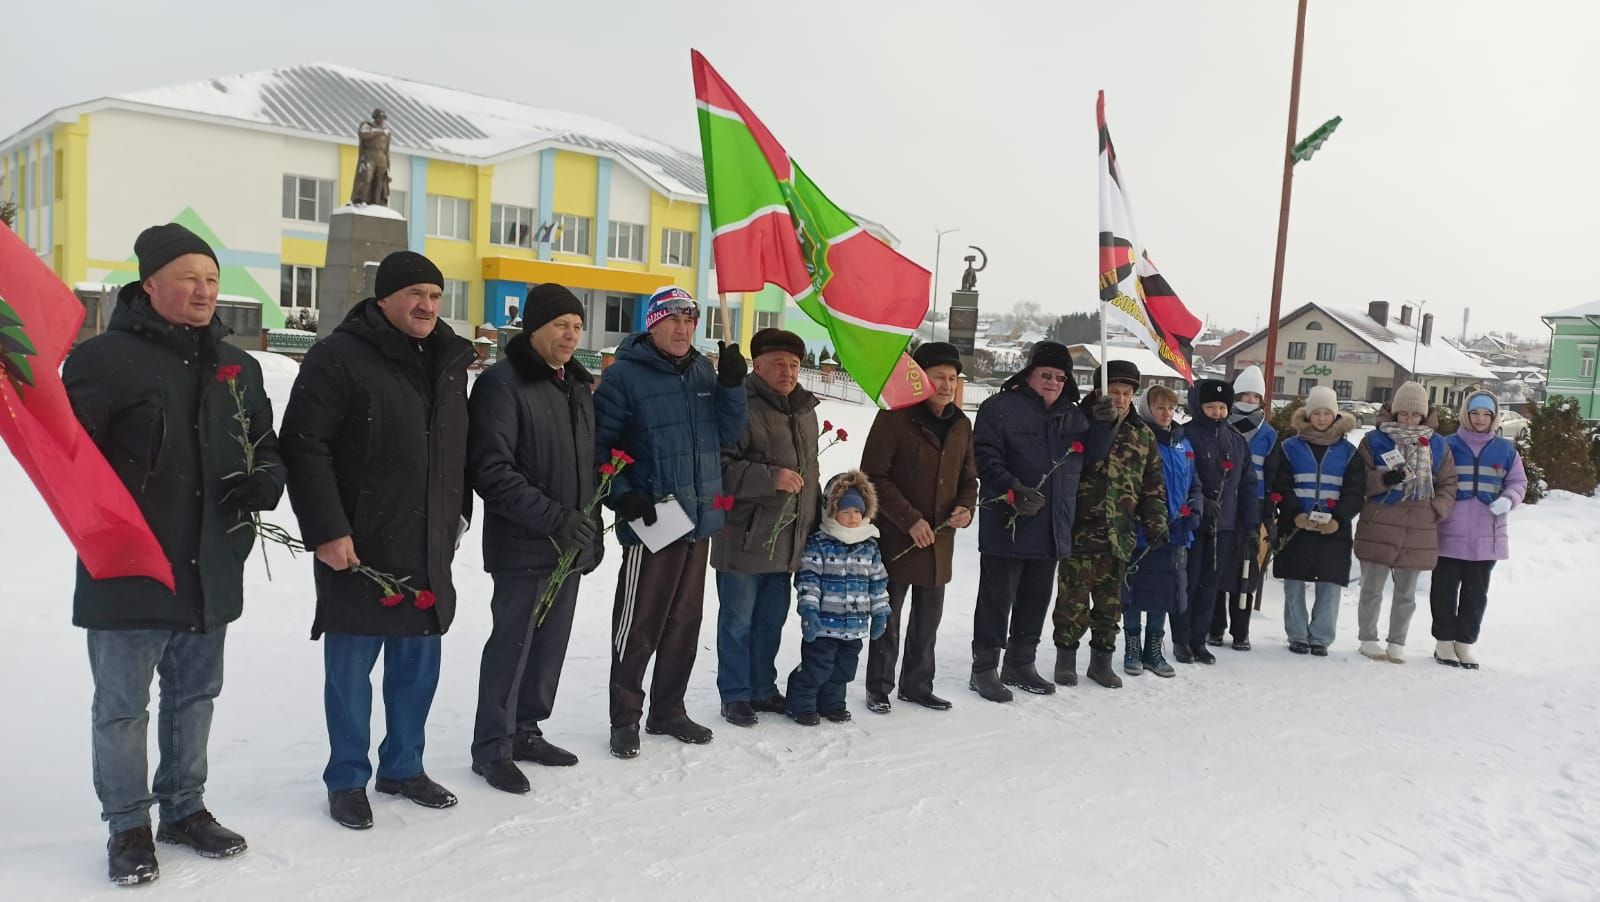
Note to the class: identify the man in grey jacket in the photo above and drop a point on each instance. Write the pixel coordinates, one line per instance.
(529, 454)
(772, 475)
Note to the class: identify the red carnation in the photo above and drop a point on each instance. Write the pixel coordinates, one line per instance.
(1423, 441)
(607, 469)
(1189, 454)
(1227, 466)
(390, 601)
(722, 502)
(425, 599)
(621, 456)
(1277, 497)
(1498, 467)
(1077, 447)
(842, 435)
(827, 425)
(1333, 504)
(1184, 511)
(1011, 497)
(228, 372)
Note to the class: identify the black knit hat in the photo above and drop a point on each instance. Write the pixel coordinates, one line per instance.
(403, 269)
(1121, 371)
(930, 354)
(1208, 390)
(777, 340)
(159, 245)
(546, 302)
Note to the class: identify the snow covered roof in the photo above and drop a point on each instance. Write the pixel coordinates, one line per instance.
(1397, 343)
(1140, 356)
(1590, 309)
(330, 100)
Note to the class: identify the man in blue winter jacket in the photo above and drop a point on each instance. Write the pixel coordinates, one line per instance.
(664, 404)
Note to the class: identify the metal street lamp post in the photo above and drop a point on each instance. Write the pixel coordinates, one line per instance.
(938, 246)
(1415, 339)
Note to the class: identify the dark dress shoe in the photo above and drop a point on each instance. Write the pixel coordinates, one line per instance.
(350, 808)
(131, 857)
(1214, 641)
(1319, 651)
(1203, 654)
(625, 741)
(680, 728)
(807, 719)
(926, 700)
(540, 751)
(419, 789)
(772, 704)
(1241, 645)
(879, 704)
(740, 714)
(502, 775)
(201, 832)
(1182, 654)
(1299, 648)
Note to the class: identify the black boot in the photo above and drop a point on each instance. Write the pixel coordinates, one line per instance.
(1066, 665)
(879, 704)
(350, 808)
(201, 832)
(807, 718)
(1181, 653)
(502, 775)
(625, 741)
(1018, 669)
(131, 857)
(986, 675)
(1100, 669)
(740, 714)
(420, 789)
(772, 704)
(535, 748)
(680, 728)
(925, 699)
(1202, 654)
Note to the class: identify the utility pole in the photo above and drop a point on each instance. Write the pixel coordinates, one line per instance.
(938, 246)
(1283, 204)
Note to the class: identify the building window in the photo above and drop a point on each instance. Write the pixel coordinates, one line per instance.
(626, 242)
(619, 313)
(397, 201)
(1306, 385)
(677, 247)
(1344, 388)
(298, 287)
(572, 234)
(1586, 362)
(307, 199)
(1297, 350)
(1327, 350)
(449, 217)
(1313, 326)
(453, 305)
(510, 226)
(767, 319)
(714, 322)
(1277, 385)
(58, 171)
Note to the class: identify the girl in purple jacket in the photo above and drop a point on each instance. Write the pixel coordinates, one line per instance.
(1473, 537)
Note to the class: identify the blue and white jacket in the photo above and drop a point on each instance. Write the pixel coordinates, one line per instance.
(842, 576)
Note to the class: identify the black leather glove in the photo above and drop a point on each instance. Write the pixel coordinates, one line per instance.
(598, 546)
(1103, 410)
(1213, 508)
(255, 492)
(1394, 477)
(635, 506)
(575, 531)
(1029, 501)
(731, 368)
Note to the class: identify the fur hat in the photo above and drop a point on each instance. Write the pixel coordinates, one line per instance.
(546, 302)
(937, 353)
(161, 244)
(402, 269)
(1250, 379)
(1321, 398)
(850, 481)
(1122, 371)
(1410, 398)
(777, 340)
(666, 302)
(1052, 354)
(1207, 391)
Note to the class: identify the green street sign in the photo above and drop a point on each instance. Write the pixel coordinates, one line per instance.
(1312, 143)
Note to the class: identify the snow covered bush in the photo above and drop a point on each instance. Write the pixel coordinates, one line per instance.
(1560, 443)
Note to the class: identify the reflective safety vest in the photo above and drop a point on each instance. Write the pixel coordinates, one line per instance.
(1262, 441)
(1317, 482)
(1482, 476)
(1381, 444)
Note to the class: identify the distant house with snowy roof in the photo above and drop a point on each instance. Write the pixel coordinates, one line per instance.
(1574, 340)
(500, 194)
(1152, 370)
(1361, 355)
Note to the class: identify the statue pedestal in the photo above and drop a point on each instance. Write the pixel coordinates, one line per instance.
(963, 324)
(358, 240)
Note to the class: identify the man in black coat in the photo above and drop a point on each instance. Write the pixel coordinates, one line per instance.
(530, 454)
(372, 438)
(155, 393)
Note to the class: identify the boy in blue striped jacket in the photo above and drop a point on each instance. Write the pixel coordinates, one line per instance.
(843, 591)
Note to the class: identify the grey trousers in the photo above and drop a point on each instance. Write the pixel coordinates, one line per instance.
(1373, 579)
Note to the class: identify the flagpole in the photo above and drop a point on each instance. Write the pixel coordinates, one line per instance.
(1283, 207)
(727, 319)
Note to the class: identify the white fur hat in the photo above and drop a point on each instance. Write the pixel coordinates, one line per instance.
(1250, 379)
(1322, 398)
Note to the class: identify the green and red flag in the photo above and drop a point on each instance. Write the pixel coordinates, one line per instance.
(39, 319)
(773, 226)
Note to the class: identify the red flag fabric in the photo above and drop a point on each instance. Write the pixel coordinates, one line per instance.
(39, 318)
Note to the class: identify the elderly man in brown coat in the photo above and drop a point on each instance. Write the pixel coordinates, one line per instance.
(920, 461)
(772, 477)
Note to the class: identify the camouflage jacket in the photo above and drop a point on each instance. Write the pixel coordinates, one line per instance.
(1127, 485)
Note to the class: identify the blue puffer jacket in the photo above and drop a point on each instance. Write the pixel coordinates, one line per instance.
(674, 421)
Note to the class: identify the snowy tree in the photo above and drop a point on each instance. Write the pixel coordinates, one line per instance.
(1536, 480)
(1281, 416)
(1076, 328)
(1448, 421)
(1560, 446)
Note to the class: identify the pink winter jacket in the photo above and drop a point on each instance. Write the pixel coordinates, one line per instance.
(1471, 533)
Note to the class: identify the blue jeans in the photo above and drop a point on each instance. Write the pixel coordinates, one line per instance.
(1324, 612)
(410, 675)
(1154, 621)
(190, 668)
(751, 610)
(827, 665)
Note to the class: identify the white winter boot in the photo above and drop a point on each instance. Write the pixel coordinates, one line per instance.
(1464, 655)
(1396, 653)
(1445, 653)
(1372, 649)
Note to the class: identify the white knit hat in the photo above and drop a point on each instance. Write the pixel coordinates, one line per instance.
(1322, 398)
(1250, 379)
(1410, 398)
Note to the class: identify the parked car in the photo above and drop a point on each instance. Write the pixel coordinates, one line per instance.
(1513, 425)
(1366, 414)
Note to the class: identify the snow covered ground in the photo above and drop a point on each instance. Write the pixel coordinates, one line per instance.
(1267, 776)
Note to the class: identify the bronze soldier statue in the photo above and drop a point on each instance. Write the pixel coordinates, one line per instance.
(372, 165)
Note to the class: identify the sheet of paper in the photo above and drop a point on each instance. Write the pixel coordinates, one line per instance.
(672, 523)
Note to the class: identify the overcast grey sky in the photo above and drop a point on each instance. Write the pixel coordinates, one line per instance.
(1464, 172)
